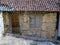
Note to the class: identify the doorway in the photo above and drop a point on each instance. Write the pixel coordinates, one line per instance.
(15, 24)
(59, 26)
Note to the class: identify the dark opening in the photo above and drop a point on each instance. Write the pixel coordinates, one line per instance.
(57, 25)
(57, 20)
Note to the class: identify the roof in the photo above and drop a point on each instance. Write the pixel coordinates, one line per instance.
(33, 5)
(5, 8)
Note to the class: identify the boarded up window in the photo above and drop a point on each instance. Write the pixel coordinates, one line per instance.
(35, 21)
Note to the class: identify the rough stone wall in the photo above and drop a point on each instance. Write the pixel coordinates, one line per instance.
(47, 29)
(49, 25)
(6, 19)
(24, 23)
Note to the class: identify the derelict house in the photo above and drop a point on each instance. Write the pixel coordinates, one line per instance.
(37, 18)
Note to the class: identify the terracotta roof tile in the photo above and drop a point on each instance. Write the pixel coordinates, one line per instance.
(33, 5)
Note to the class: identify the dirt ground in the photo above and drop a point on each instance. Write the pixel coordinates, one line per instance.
(9, 40)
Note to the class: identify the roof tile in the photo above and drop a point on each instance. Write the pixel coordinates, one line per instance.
(33, 5)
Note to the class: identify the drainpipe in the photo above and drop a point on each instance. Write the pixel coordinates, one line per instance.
(1, 25)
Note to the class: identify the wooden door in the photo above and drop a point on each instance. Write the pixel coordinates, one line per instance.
(15, 24)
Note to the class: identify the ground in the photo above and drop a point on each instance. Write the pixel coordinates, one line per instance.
(9, 40)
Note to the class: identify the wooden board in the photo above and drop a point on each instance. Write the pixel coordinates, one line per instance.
(15, 23)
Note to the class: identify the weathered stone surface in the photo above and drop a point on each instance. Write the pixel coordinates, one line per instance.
(7, 25)
(25, 24)
(49, 17)
(24, 21)
(49, 25)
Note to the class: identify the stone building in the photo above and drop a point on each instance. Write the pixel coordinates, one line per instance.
(37, 18)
